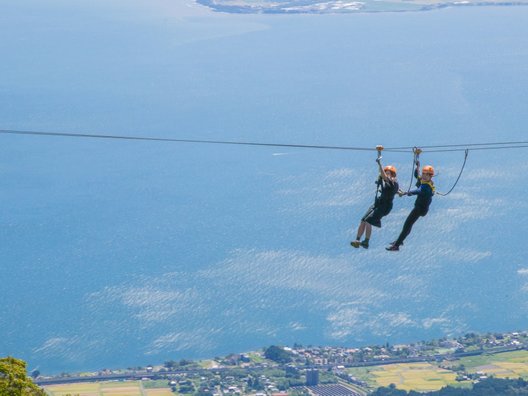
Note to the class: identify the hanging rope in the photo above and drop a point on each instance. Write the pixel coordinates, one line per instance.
(458, 178)
(416, 158)
(379, 149)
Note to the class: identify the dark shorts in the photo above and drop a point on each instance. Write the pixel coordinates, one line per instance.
(375, 213)
(421, 211)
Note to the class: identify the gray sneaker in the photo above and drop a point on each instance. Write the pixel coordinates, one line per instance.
(393, 248)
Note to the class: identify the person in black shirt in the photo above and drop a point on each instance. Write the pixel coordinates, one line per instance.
(424, 196)
(388, 187)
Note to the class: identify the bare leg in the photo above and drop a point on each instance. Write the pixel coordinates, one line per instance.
(369, 230)
(365, 242)
(361, 229)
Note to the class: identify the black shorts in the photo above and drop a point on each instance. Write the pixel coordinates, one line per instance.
(421, 211)
(375, 213)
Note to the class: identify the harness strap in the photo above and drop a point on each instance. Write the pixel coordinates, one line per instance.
(460, 174)
(416, 158)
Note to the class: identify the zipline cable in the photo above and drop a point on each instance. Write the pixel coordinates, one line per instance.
(446, 146)
(479, 148)
(159, 139)
(429, 149)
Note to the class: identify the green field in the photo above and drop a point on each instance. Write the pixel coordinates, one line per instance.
(500, 365)
(208, 364)
(256, 358)
(121, 388)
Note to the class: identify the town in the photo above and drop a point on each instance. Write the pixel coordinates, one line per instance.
(303, 370)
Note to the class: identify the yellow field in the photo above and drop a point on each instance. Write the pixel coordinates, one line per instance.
(413, 376)
(82, 389)
(127, 388)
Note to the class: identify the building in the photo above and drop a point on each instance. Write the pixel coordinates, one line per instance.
(312, 377)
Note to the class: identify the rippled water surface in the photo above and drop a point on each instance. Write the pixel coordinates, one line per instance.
(121, 253)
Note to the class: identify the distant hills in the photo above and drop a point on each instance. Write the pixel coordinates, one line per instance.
(342, 6)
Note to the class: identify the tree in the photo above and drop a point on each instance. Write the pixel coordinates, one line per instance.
(186, 388)
(277, 354)
(14, 380)
(170, 364)
(254, 383)
(487, 387)
(203, 392)
(391, 390)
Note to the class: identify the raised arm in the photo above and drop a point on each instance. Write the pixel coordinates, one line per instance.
(381, 170)
(417, 169)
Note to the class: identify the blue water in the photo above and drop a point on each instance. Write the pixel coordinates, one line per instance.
(120, 253)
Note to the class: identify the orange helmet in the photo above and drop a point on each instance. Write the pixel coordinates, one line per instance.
(428, 169)
(390, 168)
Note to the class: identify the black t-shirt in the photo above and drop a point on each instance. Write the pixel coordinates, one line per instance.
(389, 189)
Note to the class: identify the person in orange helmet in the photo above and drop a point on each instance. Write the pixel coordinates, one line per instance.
(424, 196)
(388, 188)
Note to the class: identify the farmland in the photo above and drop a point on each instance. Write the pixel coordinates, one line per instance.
(407, 376)
(429, 377)
(500, 365)
(128, 388)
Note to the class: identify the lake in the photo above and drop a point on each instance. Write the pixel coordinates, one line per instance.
(119, 253)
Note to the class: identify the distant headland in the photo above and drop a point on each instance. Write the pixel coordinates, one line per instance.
(342, 6)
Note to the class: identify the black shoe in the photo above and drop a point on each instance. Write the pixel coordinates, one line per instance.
(355, 244)
(364, 244)
(393, 248)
